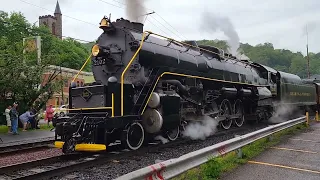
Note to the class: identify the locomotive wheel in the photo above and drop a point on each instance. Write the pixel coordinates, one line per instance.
(133, 136)
(225, 110)
(238, 110)
(173, 134)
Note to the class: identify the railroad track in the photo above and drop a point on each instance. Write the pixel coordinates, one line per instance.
(24, 147)
(64, 164)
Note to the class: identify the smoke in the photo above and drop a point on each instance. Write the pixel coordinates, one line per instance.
(135, 10)
(201, 129)
(283, 113)
(213, 23)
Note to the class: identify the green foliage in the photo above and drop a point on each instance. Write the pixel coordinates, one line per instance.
(88, 46)
(20, 73)
(279, 59)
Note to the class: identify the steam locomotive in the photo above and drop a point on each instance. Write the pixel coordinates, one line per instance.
(147, 85)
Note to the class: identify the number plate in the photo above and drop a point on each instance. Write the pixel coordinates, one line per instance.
(99, 62)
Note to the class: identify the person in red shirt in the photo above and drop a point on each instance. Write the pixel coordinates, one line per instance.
(49, 114)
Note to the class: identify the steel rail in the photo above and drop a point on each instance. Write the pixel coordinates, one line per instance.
(16, 146)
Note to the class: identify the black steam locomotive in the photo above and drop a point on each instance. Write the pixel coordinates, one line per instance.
(147, 84)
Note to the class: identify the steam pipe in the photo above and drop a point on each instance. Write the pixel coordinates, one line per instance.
(177, 83)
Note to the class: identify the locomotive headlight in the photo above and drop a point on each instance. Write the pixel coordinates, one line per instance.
(95, 50)
(100, 51)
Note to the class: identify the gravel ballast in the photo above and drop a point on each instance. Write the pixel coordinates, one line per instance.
(118, 167)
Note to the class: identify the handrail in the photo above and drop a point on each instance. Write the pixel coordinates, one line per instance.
(186, 44)
(85, 63)
(173, 167)
(130, 62)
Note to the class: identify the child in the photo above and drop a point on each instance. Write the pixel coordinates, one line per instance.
(49, 114)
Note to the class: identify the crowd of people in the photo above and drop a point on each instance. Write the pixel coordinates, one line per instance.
(28, 119)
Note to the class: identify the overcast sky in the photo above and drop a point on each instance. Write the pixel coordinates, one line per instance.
(281, 22)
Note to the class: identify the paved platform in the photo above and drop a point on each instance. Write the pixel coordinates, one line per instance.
(296, 158)
(26, 137)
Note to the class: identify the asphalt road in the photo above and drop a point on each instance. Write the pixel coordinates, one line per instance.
(298, 158)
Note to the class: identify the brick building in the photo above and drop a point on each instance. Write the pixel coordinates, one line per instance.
(54, 23)
(67, 75)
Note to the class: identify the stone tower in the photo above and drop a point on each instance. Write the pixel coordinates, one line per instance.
(54, 23)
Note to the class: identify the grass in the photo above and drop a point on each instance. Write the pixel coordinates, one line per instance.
(4, 128)
(215, 167)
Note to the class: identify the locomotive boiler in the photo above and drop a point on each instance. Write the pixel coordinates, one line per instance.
(147, 84)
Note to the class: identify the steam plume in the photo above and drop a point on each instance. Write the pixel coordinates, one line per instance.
(283, 113)
(214, 22)
(135, 10)
(201, 129)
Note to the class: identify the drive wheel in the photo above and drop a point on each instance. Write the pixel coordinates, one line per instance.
(133, 136)
(173, 134)
(238, 110)
(225, 110)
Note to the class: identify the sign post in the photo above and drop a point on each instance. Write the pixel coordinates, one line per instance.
(33, 44)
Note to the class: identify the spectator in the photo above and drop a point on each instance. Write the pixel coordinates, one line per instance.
(7, 113)
(35, 120)
(14, 115)
(25, 117)
(49, 114)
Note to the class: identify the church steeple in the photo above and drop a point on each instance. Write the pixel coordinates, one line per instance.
(57, 11)
(54, 23)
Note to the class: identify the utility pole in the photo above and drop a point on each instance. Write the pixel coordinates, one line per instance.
(147, 14)
(308, 66)
(62, 86)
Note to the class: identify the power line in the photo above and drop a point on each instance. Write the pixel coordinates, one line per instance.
(110, 4)
(119, 2)
(167, 28)
(62, 14)
(152, 17)
(170, 25)
(157, 27)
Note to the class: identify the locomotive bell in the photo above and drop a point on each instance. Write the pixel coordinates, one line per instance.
(104, 23)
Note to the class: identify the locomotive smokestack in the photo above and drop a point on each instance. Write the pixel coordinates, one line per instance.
(135, 10)
(135, 26)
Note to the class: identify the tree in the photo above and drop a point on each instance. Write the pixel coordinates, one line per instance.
(20, 73)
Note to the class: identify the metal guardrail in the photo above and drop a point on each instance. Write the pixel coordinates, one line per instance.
(174, 167)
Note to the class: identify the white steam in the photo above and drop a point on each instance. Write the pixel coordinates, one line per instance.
(162, 139)
(282, 113)
(135, 10)
(201, 129)
(213, 22)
